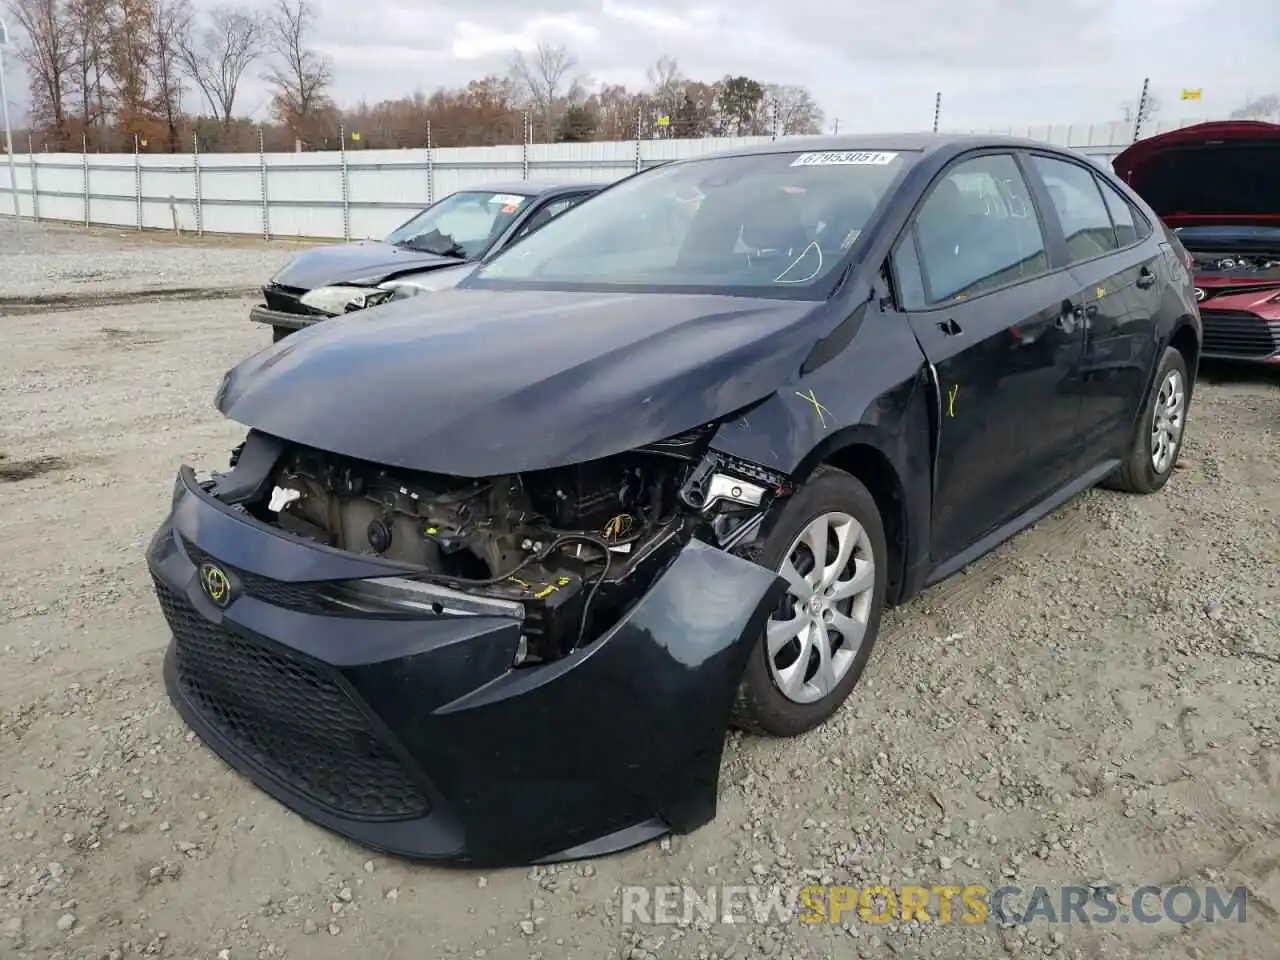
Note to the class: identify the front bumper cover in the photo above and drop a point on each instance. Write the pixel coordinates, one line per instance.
(416, 736)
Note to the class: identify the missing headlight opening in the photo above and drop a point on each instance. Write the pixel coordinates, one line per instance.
(567, 550)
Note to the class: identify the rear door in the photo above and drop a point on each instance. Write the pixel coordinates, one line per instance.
(1119, 278)
(995, 321)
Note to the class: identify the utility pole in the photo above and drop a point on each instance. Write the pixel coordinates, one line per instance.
(8, 134)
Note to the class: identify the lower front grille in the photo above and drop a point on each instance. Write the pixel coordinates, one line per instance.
(1239, 334)
(290, 717)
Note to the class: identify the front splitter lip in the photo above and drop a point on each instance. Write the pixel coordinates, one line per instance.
(514, 774)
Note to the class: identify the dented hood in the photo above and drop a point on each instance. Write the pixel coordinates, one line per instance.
(498, 382)
(363, 262)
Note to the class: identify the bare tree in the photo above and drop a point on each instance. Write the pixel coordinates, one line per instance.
(1129, 109)
(301, 79)
(170, 20)
(89, 28)
(128, 63)
(796, 110)
(48, 56)
(666, 88)
(216, 55)
(542, 78)
(1259, 108)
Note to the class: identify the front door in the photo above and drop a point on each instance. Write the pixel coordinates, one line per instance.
(1001, 334)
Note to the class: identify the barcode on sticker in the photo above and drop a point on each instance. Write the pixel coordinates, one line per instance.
(844, 158)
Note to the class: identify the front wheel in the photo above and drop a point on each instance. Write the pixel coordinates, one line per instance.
(829, 545)
(1157, 439)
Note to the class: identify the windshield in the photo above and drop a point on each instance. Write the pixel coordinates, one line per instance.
(763, 225)
(462, 225)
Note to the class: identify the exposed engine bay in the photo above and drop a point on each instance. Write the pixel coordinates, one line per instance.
(575, 547)
(1240, 265)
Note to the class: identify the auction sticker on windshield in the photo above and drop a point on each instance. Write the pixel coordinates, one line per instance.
(507, 199)
(844, 158)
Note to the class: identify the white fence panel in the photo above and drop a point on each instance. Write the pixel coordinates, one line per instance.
(366, 193)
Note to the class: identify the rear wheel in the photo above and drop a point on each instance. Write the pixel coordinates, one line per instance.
(1157, 439)
(829, 545)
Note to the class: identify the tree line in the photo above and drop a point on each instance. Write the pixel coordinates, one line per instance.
(107, 75)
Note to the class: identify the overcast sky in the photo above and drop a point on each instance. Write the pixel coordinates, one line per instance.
(996, 61)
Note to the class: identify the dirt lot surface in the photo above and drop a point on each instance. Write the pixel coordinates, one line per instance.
(1097, 702)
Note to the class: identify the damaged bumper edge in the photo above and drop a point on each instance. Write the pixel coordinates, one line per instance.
(278, 318)
(415, 735)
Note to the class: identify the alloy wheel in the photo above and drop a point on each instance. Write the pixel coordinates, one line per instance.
(1167, 421)
(813, 639)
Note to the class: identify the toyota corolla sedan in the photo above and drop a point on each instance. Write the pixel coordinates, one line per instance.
(493, 588)
(1218, 186)
(431, 251)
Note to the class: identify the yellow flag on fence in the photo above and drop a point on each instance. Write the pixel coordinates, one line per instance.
(355, 134)
(1191, 94)
(664, 121)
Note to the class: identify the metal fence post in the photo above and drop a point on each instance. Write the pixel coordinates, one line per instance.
(1142, 110)
(35, 179)
(195, 160)
(524, 158)
(262, 180)
(84, 166)
(639, 127)
(937, 110)
(773, 119)
(431, 174)
(137, 179)
(346, 197)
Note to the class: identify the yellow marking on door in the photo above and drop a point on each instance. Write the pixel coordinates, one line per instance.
(951, 399)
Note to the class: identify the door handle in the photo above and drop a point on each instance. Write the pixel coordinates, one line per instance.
(1146, 279)
(1071, 315)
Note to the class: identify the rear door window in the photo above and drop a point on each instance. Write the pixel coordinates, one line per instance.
(1131, 226)
(1080, 207)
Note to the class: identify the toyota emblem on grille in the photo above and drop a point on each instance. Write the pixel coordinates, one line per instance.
(1199, 294)
(214, 583)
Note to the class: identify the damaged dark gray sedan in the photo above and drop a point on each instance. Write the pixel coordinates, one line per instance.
(492, 589)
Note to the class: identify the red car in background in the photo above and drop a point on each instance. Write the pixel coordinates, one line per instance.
(1217, 186)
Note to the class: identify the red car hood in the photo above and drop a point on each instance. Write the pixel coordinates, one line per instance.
(1211, 173)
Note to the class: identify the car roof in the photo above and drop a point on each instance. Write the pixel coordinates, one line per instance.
(922, 143)
(534, 188)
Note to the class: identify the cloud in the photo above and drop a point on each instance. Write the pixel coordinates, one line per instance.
(996, 62)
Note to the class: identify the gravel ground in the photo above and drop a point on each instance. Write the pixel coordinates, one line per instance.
(1095, 702)
(57, 259)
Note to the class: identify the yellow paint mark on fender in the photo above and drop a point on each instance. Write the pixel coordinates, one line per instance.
(1101, 292)
(822, 412)
(951, 399)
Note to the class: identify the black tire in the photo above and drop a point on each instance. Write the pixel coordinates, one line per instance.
(279, 333)
(760, 707)
(1138, 473)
